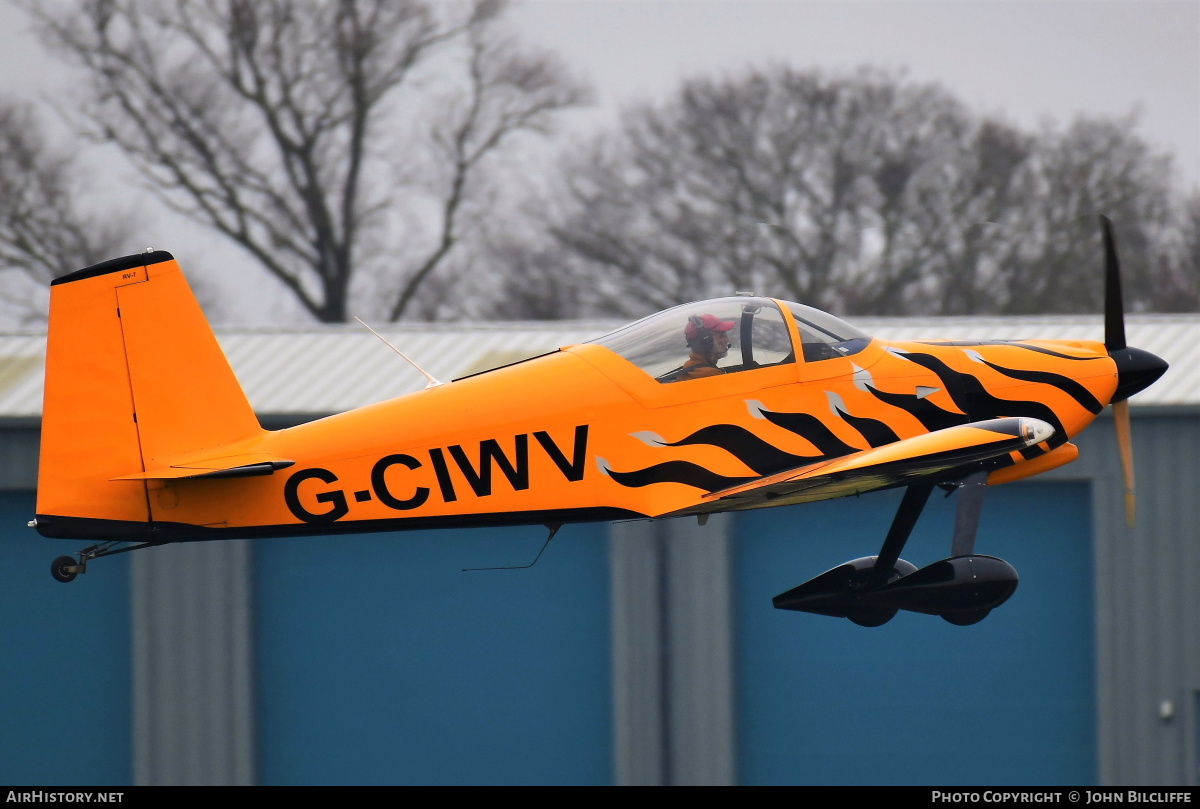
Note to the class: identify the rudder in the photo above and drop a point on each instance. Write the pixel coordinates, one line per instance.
(135, 380)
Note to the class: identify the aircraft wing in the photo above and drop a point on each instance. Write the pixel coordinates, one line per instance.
(880, 467)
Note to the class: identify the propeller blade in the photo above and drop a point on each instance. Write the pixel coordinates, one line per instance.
(1130, 362)
(1114, 308)
(1125, 445)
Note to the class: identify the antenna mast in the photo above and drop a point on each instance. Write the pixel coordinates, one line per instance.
(432, 383)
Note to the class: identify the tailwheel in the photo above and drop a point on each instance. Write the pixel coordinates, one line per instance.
(966, 617)
(65, 568)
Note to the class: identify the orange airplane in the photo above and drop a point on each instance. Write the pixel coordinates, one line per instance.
(728, 404)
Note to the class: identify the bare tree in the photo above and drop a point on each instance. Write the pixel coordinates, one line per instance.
(45, 232)
(863, 193)
(1175, 278)
(778, 180)
(333, 142)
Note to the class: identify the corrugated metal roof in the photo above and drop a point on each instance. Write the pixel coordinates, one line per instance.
(329, 369)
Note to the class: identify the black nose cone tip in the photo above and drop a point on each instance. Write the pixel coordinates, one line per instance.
(1136, 371)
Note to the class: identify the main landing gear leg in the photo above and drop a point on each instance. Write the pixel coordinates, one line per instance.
(906, 518)
(966, 518)
(962, 549)
(963, 588)
(845, 591)
(888, 564)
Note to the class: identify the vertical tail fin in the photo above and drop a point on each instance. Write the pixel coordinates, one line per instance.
(135, 379)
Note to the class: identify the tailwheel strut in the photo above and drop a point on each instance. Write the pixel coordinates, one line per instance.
(66, 568)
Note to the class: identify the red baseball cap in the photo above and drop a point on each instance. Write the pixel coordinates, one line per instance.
(709, 322)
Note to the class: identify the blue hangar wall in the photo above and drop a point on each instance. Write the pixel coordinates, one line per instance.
(377, 659)
(66, 662)
(381, 661)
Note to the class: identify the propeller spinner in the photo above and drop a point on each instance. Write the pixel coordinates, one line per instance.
(1136, 369)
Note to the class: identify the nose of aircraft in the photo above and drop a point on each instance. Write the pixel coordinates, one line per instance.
(1136, 371)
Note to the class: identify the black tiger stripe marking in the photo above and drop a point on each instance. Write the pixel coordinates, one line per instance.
(761, 456)
(685, 472)
(970, 395)
(812, 429)
(930, 415)
(1067, 385)
(876, 433)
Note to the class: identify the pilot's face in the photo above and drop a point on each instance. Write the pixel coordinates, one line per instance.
(720, 344)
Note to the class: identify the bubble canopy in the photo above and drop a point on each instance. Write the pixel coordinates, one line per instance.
(757, 330)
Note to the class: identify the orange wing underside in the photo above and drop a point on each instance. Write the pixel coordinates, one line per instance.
(919, 457)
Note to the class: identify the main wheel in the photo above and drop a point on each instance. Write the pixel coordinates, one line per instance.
(967, 617)
(63, 568)
(871, 616)
(878, 616)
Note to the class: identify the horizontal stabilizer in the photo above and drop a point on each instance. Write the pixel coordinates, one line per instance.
(234, 466)
(889, 465)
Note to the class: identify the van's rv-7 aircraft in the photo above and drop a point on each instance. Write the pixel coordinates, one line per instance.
(148, 439)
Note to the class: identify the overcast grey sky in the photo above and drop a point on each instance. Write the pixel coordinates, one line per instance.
(1025, 60)
(1028, 60)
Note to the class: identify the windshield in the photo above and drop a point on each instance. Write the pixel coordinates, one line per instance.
(721, 336)
(824, 336)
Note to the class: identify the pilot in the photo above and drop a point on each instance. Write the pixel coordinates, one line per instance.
(708, 338)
